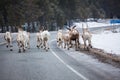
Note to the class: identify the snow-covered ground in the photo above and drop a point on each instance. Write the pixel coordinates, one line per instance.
(106, 40)
(93, 24)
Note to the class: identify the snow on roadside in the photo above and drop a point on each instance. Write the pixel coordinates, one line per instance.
(92, 24)
(108, 41)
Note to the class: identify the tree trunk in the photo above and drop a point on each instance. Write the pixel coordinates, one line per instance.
(5, 18)
(29, 28)
(2, 28)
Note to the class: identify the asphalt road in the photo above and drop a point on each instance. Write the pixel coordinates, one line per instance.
(56, 64)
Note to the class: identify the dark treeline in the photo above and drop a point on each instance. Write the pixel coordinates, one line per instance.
(53, 14)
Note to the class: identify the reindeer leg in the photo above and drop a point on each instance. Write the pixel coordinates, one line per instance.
(7, 45)
(38, 44)
(24, 46)
(28, 45)
(64, 45)
(84, 44)
(11, 46)
(68, 45)
(48, 46)
(23, 49)
(76, 44)
(19, 51)
(89, 41)
(41, 45)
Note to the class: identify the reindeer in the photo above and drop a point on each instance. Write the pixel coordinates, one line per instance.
(8, 39)
(60, 38)
(66, 40)
(39, 39)
(74, 36)
(23, 40)
(45, 36)
(86, 36)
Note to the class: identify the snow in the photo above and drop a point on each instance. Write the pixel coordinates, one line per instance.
(92, 24)
(106, 40)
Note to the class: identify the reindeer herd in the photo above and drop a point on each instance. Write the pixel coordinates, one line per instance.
(65, 39)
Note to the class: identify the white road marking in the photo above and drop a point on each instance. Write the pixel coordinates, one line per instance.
(68, 66)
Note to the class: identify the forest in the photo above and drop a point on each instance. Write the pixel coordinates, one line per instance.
(53, 13)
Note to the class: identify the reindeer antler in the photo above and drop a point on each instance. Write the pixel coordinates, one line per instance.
(68, 28)
(74, 26)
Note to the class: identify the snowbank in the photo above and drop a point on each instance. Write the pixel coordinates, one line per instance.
(108, 41)
(92, 24)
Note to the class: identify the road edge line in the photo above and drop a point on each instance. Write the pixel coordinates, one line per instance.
(68, 66)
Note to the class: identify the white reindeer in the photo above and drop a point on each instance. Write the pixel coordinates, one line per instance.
(45, 38)
(86, 36)
(39, 39)
(60, 38)
(8, 39)
(66, 40)
(23, 40)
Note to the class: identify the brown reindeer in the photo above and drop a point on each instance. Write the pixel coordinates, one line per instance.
(74, 36)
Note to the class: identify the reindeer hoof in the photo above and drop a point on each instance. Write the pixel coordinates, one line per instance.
(7, 46)
(90, 46)
(23, 50)
(37, 46)
(19, 51)
(11, 49)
